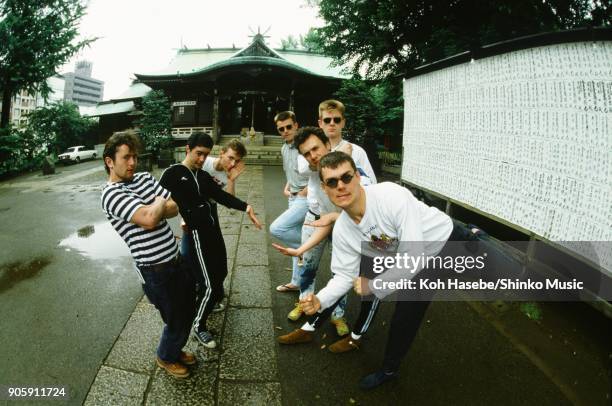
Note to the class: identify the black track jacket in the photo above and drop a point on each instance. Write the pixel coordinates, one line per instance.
(192, 191)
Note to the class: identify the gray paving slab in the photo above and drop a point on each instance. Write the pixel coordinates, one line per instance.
(251, 235)
(229, 228)
(259, 212)
(198, 389)
(249, 394)
(249, 346)
(251, 287)
(117, 387)
(252, 254)
(231, 240)
(135, 348)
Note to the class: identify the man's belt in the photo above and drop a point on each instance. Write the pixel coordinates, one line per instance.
(316, 216)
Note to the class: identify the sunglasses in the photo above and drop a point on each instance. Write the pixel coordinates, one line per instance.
(333, 182)
(282, 129)
(328, 120)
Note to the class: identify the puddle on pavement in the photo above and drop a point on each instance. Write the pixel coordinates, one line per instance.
(97, 241)
(15, 272)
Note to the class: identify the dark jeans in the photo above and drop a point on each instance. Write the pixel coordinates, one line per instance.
(170, 287)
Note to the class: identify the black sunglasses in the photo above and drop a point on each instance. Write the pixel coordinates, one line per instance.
(328, 120)
(333, 182)
(288, 127)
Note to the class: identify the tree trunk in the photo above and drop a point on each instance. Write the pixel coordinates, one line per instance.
(7, 96)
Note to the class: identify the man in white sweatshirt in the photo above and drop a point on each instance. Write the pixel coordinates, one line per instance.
(379, 215)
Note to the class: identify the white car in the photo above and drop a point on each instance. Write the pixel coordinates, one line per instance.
(77, 154)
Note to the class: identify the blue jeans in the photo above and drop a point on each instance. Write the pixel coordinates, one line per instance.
(171, 289)
(288, 228)
(308, 271)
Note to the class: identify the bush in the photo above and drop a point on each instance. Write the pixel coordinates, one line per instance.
(17, 152)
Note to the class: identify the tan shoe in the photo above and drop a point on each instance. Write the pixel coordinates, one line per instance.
(296, 313)
(345, 344)
(176, 369)
(297, 336)
(188, 358)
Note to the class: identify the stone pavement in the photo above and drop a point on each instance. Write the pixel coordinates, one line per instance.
(243, 367)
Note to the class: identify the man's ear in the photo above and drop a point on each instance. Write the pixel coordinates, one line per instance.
(109, 162)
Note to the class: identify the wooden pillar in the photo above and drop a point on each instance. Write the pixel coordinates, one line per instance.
(215, 134)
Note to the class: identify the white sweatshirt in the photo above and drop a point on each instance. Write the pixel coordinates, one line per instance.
(392, 214)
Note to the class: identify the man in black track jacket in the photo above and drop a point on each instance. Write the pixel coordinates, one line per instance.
(195, 192)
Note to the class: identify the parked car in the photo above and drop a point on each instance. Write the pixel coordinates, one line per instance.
(77, 154)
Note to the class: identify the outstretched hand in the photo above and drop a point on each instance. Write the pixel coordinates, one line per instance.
(290, 252)
(253, 217)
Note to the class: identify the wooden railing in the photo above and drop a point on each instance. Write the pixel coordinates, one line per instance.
(182, 133)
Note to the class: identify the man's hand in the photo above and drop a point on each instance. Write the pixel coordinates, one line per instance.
(361, 287)
(347, 148)
(252, 216)
(233, 174)
(303, 192)
(310, 304)
(325, 220)
(286, 191)
(184, 226)
(290, 252)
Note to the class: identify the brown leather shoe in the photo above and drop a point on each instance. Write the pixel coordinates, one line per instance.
(345, 344)
(297, 336)
(176, 369)
(188, 358)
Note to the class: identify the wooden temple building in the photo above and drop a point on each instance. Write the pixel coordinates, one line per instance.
(228, 91)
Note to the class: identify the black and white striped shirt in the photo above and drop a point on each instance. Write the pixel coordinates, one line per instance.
(120, 200)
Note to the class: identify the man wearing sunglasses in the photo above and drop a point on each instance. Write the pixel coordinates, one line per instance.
(288, 226)
(379, 215)
(332, 121)
(313, 144)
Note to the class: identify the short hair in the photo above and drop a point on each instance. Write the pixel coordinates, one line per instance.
(237, 146)
(331, 104)
(333, 160)
(200, 139)
(305, 132)
(285, 115)
(116, 140)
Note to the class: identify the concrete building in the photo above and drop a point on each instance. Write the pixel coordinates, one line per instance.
(24, 103)
(81, 88)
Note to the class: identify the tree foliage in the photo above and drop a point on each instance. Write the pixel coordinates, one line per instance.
(373, 110)
(308, 42)
(156, 122)
(388, 37)
(36, 37)
(58, 126)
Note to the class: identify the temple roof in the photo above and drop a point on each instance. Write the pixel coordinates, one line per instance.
(192, 62)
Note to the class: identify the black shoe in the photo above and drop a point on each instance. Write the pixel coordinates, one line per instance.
(377, 378)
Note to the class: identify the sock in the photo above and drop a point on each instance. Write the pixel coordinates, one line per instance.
(355, 336)
(308, 327)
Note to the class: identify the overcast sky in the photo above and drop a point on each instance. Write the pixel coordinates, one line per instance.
(143, 35)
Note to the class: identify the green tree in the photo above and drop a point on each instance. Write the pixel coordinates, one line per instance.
(36, 37)
(290, 43)
(57, 127)
(156, 122)
(311, 41)
(389, 37)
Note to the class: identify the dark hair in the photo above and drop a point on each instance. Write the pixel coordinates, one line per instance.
(237, 146)
(116, 140)
(305, 132)
(200, 139)
(333, 160)
(285, 115)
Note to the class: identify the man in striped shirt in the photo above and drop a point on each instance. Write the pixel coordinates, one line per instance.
(137, 207)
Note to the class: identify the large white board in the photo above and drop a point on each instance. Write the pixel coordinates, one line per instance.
(525, 136)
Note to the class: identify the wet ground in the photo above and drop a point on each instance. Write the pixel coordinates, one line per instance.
(468, 353)
(67, 288)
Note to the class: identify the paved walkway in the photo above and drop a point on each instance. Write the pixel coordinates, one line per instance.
(243, 367)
